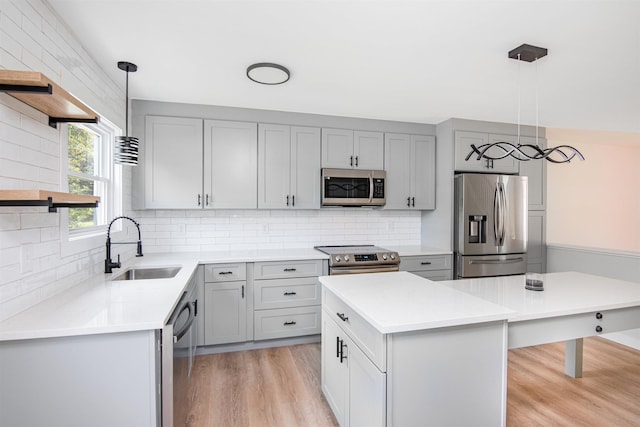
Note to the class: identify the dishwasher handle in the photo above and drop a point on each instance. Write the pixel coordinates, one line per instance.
(177, 335)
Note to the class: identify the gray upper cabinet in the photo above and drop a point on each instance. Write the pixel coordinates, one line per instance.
(463, 142)
(536, 170)
(171, 164)
(347, 149)
(410, 162)
(230, 165)
(288, 167)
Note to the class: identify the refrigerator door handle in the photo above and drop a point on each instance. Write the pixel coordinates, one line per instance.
(499, 213)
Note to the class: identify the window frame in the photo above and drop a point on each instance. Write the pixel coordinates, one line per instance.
(74, 241)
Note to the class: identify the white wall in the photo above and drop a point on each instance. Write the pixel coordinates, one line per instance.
(595, 203)
(32, 266)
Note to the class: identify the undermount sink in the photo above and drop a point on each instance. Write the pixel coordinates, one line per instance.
(148, 273)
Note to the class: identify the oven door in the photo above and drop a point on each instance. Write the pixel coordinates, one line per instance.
(347, 187)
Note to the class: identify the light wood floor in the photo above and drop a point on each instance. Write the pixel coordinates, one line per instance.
(281, 387)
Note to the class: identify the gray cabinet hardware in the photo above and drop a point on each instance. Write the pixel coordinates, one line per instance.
(242, 294)
(289, 269)
(289, 293)
(199, 197)
(342, 317)
(289, 323)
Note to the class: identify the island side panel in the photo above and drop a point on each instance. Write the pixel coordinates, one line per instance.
(448, 376)
(91, 380)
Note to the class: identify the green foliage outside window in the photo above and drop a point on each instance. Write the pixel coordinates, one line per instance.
(82, 153)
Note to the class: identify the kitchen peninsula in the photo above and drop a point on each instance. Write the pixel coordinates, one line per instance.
(399, 350)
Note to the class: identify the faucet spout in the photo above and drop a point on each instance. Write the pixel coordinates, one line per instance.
(110, 265)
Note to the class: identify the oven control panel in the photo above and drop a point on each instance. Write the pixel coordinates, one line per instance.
(364, 259)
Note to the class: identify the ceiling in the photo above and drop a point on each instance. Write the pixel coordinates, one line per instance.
(416, 61)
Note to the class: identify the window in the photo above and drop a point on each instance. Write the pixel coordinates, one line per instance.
(90, 170)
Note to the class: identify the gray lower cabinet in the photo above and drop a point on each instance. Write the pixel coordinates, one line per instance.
(432, 267)
(225, 303)
(536, 247)
(286, 298)
(101, 380)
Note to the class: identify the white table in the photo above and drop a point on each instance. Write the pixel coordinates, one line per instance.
(571, 307)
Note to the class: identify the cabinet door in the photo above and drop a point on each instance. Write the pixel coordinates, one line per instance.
(397, 158)
(536, 247)
(274, 151)
(536, 170)
(230, 165)
(508, 164)
(368, 150)
(172, 163)
(305, 168)
(225, 312)
(463, 141)
(423, 172)
(335, 373)
(367, 390)
(337, 148)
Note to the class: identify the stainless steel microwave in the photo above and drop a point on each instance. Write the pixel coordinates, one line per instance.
(353, 187)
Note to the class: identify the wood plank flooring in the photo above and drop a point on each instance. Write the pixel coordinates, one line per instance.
(281, 387)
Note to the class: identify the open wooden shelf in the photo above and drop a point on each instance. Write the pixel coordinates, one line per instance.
(52, 199)
(36, 90)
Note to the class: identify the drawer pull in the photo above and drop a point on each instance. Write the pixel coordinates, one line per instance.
(598, 316)
(225, 272)
(338, 346)
(289, 269)
(343, 356)
(290, 293)
(342, 317)
(425, 263)
(598, 328)
(292, 322)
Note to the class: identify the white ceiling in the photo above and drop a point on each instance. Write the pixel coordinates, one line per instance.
(417, 61)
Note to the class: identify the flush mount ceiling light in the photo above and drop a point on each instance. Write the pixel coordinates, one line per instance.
(525, 152)
(126, 149)
(267, 73)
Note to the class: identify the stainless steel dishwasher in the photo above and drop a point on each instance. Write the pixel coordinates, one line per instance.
(178, 350)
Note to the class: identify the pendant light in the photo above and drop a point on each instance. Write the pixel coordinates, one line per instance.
(525, 152)
(126, 150)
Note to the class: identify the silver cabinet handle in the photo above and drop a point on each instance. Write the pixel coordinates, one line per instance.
(199, 197)
(225, 272)
(293, 200)
(289, 323)
(207, 200)
(351, 161)
(242, 295)
(289, 293)
(287, 200)
(413, 202)
(289, 269)
(357, 161)
(425, 263)
(408, 202)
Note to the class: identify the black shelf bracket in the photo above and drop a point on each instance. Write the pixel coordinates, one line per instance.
(53, 121)
(48, 89)
(53, 207)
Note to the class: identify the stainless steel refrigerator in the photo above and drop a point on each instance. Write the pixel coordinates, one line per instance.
(490, 225)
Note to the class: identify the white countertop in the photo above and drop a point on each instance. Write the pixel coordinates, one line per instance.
(417, 250)
(402, 302)
(100, 305)
(564, 294)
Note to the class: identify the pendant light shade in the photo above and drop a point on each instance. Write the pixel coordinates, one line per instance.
(525, 152)
(126, 147)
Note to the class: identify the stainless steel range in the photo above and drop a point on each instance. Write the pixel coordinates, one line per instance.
(360, 259)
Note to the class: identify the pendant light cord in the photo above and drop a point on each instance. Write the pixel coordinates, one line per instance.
(126, 106)
(519, 96)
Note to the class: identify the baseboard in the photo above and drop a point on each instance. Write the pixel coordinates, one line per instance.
(255, 345)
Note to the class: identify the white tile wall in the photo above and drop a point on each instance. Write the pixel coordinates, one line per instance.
(186, 231)
(32, 267)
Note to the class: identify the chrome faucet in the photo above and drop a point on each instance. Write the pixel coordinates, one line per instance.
(108, 264)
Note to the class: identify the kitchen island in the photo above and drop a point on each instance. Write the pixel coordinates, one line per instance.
(437, 357)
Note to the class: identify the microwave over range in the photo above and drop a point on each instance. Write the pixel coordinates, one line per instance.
(353, 187)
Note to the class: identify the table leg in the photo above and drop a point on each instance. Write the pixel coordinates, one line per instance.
(573, 358)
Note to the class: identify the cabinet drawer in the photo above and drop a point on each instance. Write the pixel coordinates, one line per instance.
(225, 272)
(286, 322)
(284, 269)
(282, 293)
(425, 262)
(369, 340)
(435, 275)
